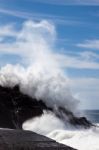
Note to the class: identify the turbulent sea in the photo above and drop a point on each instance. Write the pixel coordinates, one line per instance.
(81, 139)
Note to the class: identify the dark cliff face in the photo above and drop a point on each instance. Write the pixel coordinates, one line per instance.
(15, 108)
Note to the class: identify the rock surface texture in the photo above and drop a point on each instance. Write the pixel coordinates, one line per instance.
(26, 140)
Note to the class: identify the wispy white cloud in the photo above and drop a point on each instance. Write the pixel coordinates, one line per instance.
(85, 83)
(7, 30)
(69, 2)
(92, 44)
(39, 16)
(84, 60)
(85, 2)
(20, 14)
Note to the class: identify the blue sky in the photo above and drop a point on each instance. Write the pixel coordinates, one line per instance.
(77, 27)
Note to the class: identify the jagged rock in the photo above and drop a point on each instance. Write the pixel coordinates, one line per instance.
(15, 108)
(72, 119)
(26, 140)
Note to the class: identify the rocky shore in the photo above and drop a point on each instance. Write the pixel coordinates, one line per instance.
(26, 140)
(15, 108)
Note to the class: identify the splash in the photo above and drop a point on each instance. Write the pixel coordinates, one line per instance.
(38, 124)
(49, 125)
(80, 139)
(39, 74)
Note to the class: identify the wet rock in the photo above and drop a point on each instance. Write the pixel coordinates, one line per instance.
(69, 117)
(15, 108)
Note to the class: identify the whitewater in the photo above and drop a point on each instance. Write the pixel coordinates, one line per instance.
(50, 126)
(80, 139)
(41, 75)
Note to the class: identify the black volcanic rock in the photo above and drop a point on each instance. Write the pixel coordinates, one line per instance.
(15, 108)
(26, 140)
(72, 119)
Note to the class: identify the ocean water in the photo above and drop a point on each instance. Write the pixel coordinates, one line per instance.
(92, 115)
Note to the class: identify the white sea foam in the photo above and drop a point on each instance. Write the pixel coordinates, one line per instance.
(80, 139)
(44, 124)
(54, 128)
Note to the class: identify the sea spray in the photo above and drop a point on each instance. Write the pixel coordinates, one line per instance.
(39, 74)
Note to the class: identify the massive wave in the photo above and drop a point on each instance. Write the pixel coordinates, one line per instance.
(41, 76)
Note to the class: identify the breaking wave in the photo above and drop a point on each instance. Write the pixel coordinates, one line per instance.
(41, 76)
(80, 139)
